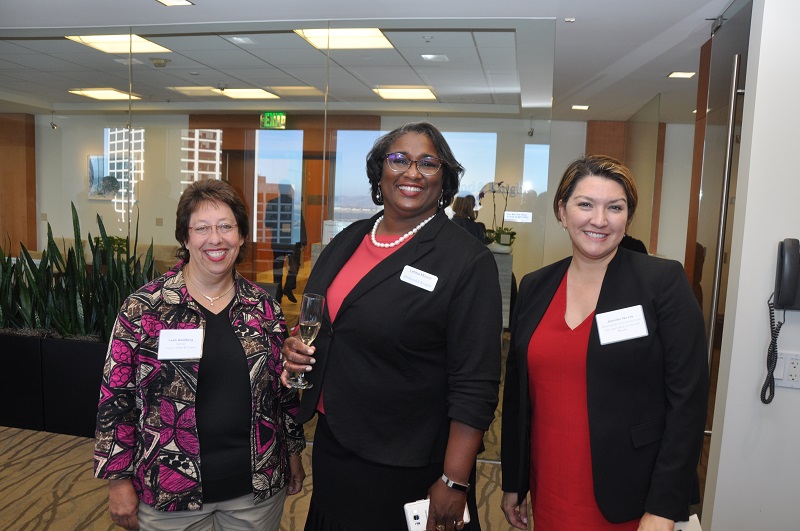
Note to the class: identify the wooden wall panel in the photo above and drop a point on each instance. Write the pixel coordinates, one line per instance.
(657, 181)
(18, 182)
(235, 128)
(606, 138)
(690, 259)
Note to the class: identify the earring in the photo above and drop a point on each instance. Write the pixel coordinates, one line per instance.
(379, 196)
(441, 200)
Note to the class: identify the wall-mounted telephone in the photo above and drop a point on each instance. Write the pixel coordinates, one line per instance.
(787, 275)
(785, 297)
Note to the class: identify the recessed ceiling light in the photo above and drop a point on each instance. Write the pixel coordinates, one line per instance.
(119, 44)
(404, 93)
(246, 94)
(580, 107)
(569, 20)
(682, 75)
(175, 3)
(297, 91)
(439, 57)
(194, 90)
(240, 40)
(345, 39)
(104, 94)
(126, 62)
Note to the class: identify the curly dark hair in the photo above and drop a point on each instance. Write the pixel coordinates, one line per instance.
(451, 169)
(212, 191)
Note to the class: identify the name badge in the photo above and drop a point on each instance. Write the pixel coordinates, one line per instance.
(621, 325)
(180, 344)
(417, 277)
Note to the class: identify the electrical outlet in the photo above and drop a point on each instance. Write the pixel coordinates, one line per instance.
(787, 370)
(793, 370)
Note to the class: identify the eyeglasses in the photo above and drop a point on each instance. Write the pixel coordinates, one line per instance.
(204, 230)
(426, 165)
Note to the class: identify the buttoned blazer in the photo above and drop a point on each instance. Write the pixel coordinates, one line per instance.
(646, 396)
(400, 361)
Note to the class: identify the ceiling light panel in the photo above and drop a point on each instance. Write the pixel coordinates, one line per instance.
(404, 93)
(175, 3)
(345, 38)
(580, 107)
(296, 92)
(246, 94)
(240, 40)
(681, 75)
(119, 44)
(195, 91)
(103, 94)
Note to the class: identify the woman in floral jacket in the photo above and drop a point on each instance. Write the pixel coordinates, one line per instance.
(193, 424)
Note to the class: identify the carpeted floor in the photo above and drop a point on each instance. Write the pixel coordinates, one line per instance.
(46, 481)
(46, 484)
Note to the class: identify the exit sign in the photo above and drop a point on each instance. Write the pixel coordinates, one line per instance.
(273, 120)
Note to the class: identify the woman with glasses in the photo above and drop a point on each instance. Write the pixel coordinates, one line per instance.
(406, 367)
(194, 430)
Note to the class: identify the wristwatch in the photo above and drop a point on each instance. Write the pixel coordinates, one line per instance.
(463, 487)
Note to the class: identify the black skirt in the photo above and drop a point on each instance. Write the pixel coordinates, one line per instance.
(353, 494)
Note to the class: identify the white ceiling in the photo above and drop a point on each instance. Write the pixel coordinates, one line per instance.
(507, 58)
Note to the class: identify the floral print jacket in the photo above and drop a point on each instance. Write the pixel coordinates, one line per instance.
(146, 428)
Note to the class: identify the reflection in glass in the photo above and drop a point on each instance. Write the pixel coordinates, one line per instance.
(201, 155)
(278, 212)
(124, 153)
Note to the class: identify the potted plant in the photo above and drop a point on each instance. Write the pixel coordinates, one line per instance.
(68, 307)
(499, 237)
(20, 379)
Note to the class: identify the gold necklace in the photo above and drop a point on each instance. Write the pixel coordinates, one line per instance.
(210, 299)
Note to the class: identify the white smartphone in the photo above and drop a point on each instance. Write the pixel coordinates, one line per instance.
(417, 514)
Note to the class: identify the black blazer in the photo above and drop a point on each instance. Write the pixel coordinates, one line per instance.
(646, 397)
(401, 361)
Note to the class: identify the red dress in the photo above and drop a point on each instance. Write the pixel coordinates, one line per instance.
(562, 491)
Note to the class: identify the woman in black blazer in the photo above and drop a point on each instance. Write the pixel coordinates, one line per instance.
(621, 331)
(406, 367)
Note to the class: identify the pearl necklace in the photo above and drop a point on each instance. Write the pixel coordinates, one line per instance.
(398, 241)
(210, 299)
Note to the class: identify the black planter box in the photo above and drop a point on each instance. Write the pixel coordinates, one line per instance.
(71, 375)
(21, 382)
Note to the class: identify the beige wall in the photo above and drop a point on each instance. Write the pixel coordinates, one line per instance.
(62, 175)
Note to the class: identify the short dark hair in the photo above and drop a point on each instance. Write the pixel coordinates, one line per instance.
(601, 166)
(211, 191)
(451, 169)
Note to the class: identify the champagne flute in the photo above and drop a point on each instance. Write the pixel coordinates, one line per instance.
(311, 308)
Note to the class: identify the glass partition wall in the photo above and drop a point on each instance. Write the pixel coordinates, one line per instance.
(304, 179)
(297, 159)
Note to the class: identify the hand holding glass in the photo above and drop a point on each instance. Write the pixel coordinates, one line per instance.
(311, 309)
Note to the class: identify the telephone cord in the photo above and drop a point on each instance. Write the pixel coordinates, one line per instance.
(768, 389)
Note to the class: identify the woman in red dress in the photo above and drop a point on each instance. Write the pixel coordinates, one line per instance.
(606, 381)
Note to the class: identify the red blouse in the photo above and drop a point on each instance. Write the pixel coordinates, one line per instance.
(562, 490)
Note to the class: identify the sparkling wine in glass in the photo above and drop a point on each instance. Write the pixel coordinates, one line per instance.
(311, 308)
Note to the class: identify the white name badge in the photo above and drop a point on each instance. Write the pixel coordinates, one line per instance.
(417, 277)
(621, 325)
(180, 344)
